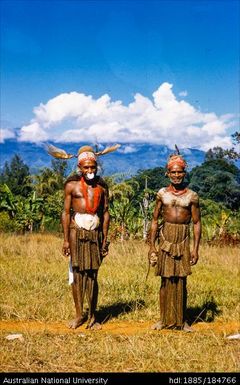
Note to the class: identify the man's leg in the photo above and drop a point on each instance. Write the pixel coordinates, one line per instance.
(171, 303)
(177, 303)
(185, 326)
(174, 302)
(162, 304)
(92, 298)
(79, 281)
(78, 292)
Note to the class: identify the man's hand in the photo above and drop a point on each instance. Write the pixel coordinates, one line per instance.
(66, 249)
(152, 256)
(104, 250)
(194, 257)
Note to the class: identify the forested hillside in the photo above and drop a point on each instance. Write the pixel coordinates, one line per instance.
(34, 202)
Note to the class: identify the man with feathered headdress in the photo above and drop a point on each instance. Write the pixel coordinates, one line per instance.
(178, 206)
(85, 221)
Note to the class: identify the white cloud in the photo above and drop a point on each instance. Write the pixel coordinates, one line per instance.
(128, 149)
(183, 93)
(224, 142)
(6, 133)
(33, 133)
(76, 117)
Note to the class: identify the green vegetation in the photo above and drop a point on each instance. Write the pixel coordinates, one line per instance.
(34, 202)
(31, 202)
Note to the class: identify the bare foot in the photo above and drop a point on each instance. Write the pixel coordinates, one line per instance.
(96, 326)
(75, 323)
(158, 326)
(186, 328)
(93, 325)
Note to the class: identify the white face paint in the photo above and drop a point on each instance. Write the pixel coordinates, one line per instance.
(90, 175)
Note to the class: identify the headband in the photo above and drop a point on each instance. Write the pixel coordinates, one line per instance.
(176, 160)
(86, 155)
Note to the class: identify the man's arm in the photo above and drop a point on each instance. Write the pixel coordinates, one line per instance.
(66, 218)
(197, 230)
(106, 222)
(154, 227)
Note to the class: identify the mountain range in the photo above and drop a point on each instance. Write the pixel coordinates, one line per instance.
(129, 158)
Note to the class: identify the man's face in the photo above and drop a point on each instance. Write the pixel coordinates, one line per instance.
(176, 174)
(88, 169)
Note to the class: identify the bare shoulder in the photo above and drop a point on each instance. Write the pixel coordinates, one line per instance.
(102, 183)
(161, 193)
(70, 185)
(72, 178)
(194, 196)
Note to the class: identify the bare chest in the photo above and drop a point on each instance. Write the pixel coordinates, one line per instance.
(78, 192)
(183, 201)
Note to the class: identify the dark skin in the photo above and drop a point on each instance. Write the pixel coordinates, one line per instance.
(75, 200)
(177, 214)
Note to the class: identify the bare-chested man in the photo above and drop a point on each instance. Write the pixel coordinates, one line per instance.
(178, 206)
(85, 221)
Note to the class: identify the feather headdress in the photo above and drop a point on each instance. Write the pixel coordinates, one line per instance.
(83, 152)
(58, 152)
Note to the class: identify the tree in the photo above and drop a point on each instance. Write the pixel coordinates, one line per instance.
(50, 180)
(234, 152)
(219, 223)
(122, 210)
(156, 179)
(231, 154)
(59, 168)
(17, 176)
(215, 153)
(217, 179)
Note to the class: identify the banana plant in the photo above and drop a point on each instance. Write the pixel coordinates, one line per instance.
(29, 212)
(7, 200)
(121, 208)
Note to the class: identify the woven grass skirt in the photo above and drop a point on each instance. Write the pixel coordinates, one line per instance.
(85, 248)
(174, 251)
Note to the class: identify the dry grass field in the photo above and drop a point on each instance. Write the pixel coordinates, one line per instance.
(36, 301)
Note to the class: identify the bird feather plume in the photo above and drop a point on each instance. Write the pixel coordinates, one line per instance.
(58, 152)
(108, 149)
(177, 149)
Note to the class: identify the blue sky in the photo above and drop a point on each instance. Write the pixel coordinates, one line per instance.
(60, 54)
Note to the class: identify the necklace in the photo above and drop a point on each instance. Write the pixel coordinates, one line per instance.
(96, 197)
(176, 192)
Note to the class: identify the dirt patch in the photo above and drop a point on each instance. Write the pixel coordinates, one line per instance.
(120, 327)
